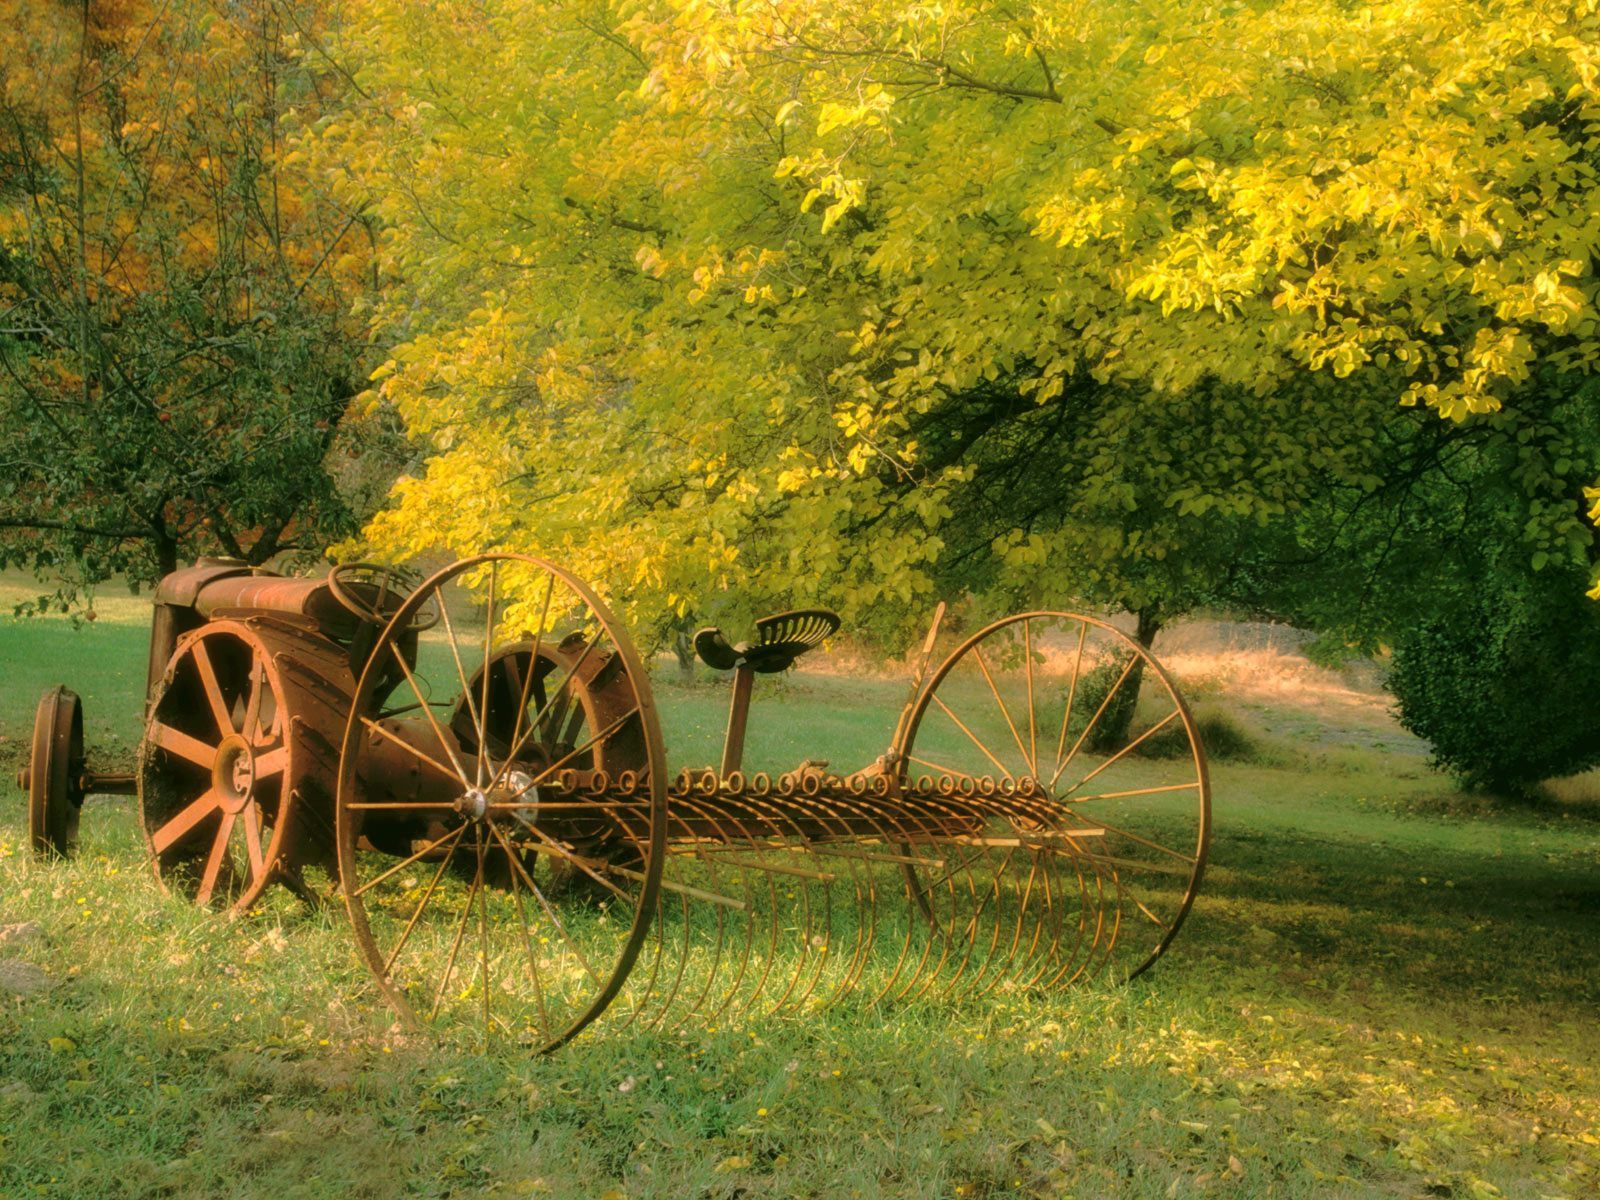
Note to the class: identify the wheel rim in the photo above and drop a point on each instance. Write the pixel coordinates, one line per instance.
(1113, 846)
(216, 769)
(451, 848)
(55, 764)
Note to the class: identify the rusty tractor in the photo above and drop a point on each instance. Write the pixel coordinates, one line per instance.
(475, 763)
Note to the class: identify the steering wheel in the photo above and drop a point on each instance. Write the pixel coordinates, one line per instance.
(374, 592)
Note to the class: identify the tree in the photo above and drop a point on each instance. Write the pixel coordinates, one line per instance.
(862, 302)
(177, 354)
(1498, 683)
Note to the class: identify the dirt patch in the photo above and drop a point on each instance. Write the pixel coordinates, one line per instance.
(24, 931)
(18, 978)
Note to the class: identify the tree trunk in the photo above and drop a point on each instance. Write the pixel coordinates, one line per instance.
(166, 553)
(1116, 722)
(683, 647)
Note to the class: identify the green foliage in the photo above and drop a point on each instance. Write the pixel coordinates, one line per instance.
(1452, 508)
(177, 354)
(860, 303)
(1500, 686)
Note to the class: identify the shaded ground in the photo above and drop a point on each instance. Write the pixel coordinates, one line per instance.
(1369, 1000)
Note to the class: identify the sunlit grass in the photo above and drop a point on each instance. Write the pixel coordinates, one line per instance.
(1369, 1000)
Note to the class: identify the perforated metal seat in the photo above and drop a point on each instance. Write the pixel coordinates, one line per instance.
(780, 639)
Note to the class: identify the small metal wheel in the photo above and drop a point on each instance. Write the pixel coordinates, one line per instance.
(452, 831)
(225, 770)
(1087, 852)
(54, 774)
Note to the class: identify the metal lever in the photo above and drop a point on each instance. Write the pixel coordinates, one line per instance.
(738, 712)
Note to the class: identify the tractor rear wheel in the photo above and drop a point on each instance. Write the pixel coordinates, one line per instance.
(235, 770)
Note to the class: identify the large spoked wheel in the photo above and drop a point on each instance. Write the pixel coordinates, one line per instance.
(456, 852)
(217, 767)
(1094, 798)
(55, 768)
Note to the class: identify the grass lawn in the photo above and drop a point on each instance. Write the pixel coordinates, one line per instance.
(1383, 991)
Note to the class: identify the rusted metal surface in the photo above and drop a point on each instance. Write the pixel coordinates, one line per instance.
(53, 776)
(57, 779)
(235, 769)
(475, 762)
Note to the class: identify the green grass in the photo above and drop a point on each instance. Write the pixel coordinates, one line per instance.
(1378, 994)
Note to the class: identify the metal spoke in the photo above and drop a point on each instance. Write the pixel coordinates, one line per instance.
(252, 839)
(213, 867)
(455, 946)
(1095, 720)
(551, 846)
(533, 723)
(1033, 731)
(213, 689)
(461, 673)
(1140, 906)
(488, 643)
(1129, 748)
(1132, 864)
(608, 732)
(427, 711)
(533, 660)
(406, 862)
(251, 726)
(516, 863)
(163, 838)
(1134, 837)
(412, 806)
(1072, 695)
(1149, 791)
(412, 750)
(940, 768)
(977, 655)
(175, 742)
(444, 862)
(945, 708)
(533, 959)
(483, 948)
(271, 763)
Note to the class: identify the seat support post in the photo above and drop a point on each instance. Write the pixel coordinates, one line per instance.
(738, 711)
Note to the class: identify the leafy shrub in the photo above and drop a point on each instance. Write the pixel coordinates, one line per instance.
(1224, 739)
(1094, 685)
(1502, 687)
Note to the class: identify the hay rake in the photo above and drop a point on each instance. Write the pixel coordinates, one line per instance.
(475, 762)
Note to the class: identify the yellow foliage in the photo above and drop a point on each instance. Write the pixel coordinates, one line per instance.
(783, 237)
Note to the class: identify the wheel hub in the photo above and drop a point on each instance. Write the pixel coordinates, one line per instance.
(233, 773)
(473, 804)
